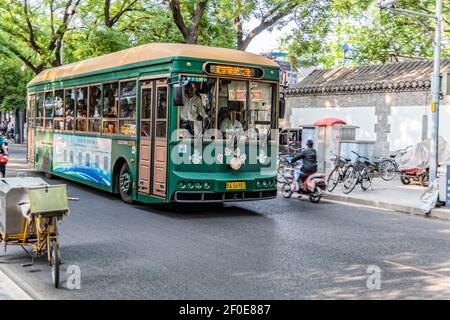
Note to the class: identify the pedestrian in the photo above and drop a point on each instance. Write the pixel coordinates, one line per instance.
(3, 127)
(11, 129)
(3, 156)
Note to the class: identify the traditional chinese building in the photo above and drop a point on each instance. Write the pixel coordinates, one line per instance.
(389, 103)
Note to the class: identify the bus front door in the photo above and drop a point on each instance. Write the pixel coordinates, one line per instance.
(153, 138)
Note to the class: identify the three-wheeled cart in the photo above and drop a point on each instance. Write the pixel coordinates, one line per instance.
(30, 210)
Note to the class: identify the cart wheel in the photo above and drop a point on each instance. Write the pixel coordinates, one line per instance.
(423, 179)
(55, 261)
(405, 180)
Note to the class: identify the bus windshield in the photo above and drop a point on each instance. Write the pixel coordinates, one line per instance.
(228, 106)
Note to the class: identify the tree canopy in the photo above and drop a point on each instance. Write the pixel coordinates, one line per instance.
(357, 32)
(38, 34)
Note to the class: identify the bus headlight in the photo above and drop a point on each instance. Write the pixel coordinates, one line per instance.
(198, 185)
(181, 184)
(206, 185)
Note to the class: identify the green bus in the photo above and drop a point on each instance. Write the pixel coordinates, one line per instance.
(160, 123)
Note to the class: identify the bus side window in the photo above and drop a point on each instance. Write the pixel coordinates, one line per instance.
(110, 102)
(69, 109)
(82, 101)
(49, 108)
(95, 94)
(40, 110)
(58, 120)
(127, 108)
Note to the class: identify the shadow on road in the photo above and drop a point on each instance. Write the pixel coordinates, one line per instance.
(193, 211)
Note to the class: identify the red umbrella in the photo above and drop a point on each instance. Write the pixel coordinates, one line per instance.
(329, 122)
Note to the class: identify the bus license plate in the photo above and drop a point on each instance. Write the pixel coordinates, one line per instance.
(237, 185)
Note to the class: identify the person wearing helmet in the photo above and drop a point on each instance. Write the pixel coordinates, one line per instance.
(309, 158)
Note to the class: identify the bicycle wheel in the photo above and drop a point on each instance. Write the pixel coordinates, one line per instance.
(351, 177)
(387, 169)
(333, 179)
(280, 178)
(286, 190)
(366, 179)
(281, 170)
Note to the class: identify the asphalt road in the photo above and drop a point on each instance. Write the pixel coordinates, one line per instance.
(277, 249)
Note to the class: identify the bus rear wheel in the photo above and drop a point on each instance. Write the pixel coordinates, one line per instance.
(126, 184)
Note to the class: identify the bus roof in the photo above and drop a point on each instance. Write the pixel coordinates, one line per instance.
(151, 51)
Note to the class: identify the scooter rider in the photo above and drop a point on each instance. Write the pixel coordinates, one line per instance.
(309, 158)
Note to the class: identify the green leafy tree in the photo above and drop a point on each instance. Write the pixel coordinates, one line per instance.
(33, 31)
(374, 35)
(14, 76)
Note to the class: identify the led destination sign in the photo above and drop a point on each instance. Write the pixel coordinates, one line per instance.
(234, 71)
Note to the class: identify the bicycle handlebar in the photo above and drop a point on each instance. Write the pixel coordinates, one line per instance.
(360, 156)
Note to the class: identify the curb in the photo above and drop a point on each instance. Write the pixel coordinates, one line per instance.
(10, 290)
(438, 213)
(374, 203)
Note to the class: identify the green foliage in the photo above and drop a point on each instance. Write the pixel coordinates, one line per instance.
(13, 79)
(376, 36)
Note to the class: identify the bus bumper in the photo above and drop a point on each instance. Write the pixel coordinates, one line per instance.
(215, 197)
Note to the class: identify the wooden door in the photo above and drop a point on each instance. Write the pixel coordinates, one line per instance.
(159, 164)
(145, 137)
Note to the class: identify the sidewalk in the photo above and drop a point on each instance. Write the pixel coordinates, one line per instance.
(9, 290)
(391, 195)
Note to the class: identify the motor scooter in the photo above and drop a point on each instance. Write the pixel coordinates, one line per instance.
(313, 186)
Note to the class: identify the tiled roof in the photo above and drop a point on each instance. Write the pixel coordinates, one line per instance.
(400, 76)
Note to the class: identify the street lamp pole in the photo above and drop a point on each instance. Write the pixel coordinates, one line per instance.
(435, 92)
(435, 79)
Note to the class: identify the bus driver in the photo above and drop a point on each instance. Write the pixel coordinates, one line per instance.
(193, 110)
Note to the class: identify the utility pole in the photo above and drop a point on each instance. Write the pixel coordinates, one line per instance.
(435, 79)
(435, 91)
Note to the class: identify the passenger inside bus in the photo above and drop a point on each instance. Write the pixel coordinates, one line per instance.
(81, 109)
(231, 120)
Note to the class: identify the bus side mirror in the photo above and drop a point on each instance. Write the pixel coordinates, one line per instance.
(282, 110)
(178, 94)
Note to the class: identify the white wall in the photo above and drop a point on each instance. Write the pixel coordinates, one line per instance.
(363, 117)
(406, 125)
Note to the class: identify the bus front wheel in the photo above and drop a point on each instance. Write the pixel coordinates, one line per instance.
(126, 184)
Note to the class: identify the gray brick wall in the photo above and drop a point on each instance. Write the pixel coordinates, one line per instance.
(381, 101)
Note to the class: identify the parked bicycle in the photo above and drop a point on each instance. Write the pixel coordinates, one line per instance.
(284, 163)
(337, 175)
(361, 172)
(388, 167)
